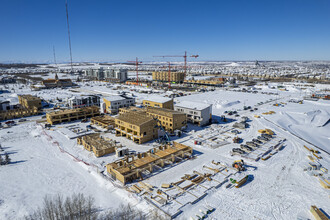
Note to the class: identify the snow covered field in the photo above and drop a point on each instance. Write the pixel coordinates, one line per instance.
(278, 188)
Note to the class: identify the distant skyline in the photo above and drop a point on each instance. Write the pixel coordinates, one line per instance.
(117, 31)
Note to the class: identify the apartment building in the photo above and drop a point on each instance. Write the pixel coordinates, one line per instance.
(197, 113)
(72, 114)
(137, 126)
(108, 74)
(29, 101)
(114, 103)
(169, 119)
(158, 101)
(177, 77)
(83, 101)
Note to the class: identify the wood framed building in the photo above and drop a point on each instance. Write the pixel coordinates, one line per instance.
(29, 101)
(72, 114)
(104, 121)
(132, 167)
(97, 144)
(137, 126)
(158, 102)
(18, 113)
(169, 119)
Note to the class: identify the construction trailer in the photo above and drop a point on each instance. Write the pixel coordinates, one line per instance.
(137, 126)
(158, 102)
(114, 103)
(96, 143)
(18, 113)
(68, 115)
(131, 167)
(104, 121)
(29, 101)
(177, 77)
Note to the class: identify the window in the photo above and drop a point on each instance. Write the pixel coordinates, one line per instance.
(144, 133)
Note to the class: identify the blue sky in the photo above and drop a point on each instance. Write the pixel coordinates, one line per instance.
(109, 30)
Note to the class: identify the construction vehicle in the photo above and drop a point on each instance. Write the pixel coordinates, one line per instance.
(167, 138)
(237, 139)
(239, 165)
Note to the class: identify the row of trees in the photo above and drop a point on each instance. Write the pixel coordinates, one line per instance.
(83, 208)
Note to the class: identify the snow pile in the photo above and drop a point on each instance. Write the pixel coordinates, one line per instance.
(226, 104)
(318, 118)
(233, 64)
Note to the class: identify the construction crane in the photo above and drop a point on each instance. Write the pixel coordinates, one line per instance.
(159, 125)
(136, 62)
(185, 60)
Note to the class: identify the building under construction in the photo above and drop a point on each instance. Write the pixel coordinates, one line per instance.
(137, 126)
(159, 102)
(29, 101)
(18, 113)
(72, 114)
(97, 144)
(132, 167)
(177, 77)
(169, 119)
(104, 121)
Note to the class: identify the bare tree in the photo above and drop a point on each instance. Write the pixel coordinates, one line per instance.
(72, 208)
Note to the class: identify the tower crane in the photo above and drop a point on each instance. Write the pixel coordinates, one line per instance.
(136, 62)
(185, 60)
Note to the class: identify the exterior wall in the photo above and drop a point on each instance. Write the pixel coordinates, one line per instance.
(18, 113)
(110, 74)
(168, 105)
(171, 122)
(200, 117)
(164, 76)
(112, 107)
(72, 114)
(129, 169)
(84, 101)
(137, 133)
(29, 101)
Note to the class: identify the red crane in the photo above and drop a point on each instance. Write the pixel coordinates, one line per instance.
(185, 60)
(136, 62)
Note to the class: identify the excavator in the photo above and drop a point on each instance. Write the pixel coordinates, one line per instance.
(239, 165)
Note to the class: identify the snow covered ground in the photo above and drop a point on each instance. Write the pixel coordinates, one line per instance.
(278, 188)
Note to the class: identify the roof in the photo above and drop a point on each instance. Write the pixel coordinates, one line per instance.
(114, 98)
(192, 105)
(135, 117)
(159, 99)
(163, 111)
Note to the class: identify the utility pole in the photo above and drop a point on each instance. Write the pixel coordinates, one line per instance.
(67, 20)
